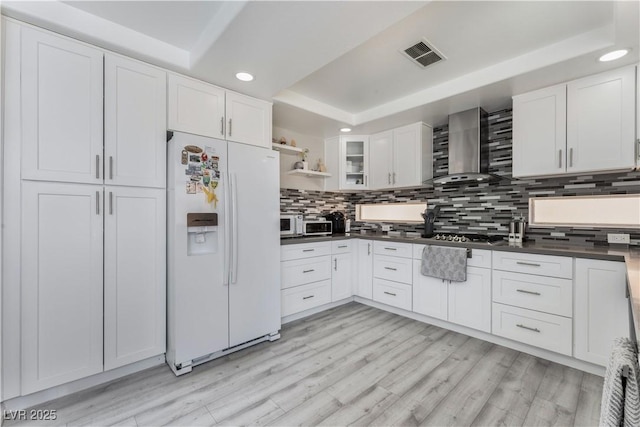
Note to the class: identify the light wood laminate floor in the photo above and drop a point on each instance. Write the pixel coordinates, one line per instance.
(352, 365)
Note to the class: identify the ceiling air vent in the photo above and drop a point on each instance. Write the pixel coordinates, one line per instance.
(423, 54)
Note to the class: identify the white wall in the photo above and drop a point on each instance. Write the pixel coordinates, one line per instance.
(315, 145)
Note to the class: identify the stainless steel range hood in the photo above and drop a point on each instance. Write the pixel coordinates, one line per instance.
(468, 148)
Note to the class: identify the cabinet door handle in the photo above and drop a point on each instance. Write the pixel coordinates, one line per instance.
(310, 296)
(110, 167)
(389, 178)
(394, 177)
(97, 203)
(365, 180)
(560, 158)
(335, 264)
(530, 264)
(368, 248)
(390, 293)
(342, 246)
(230, 127)
(98, 166)
(391, 249)
(308, 271)
(391, 268)
(308, 250)
(222, 125)
(110, 202)
(571, 157)
(524, 291)
(528, 328)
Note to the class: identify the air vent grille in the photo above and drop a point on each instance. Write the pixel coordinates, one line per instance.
(423, 54)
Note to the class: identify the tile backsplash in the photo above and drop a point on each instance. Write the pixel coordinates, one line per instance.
(484, 208)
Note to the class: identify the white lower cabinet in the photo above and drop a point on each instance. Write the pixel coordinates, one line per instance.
(62, 283)
(392, 293)
(134, 275)
(364, 270)
(465, 303)
(470, 301)
(533, 327)
(93, 280)
(601, 308)
(304, 297)
(342, 270)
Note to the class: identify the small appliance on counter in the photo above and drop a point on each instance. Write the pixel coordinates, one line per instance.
(429, 216)
(516, 229)
(291, 225)
(338, 222)
(316, 228)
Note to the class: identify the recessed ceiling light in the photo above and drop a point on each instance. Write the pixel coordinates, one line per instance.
(611, 56)
(245, 77)
(345, 129)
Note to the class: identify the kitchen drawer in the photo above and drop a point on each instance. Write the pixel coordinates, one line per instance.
(301, 298)
(404, 250)
(549, 294)
(543, 265)
(301, 271)
(479, 257)
(304, 250)
(393, 268)
(392, 293)
(341, 247)
(532, 327)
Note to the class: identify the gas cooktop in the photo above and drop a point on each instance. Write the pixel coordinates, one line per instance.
(464, 238)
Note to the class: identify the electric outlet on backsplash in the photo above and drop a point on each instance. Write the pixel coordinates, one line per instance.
(485, 208)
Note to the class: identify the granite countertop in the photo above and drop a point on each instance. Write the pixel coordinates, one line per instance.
(630, 256)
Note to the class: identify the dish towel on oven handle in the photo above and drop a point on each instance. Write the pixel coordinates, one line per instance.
(444, 262)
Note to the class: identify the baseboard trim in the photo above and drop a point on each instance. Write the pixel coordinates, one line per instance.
(39, 397)
(312, 311)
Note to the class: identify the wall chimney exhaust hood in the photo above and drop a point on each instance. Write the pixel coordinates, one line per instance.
(468, 149)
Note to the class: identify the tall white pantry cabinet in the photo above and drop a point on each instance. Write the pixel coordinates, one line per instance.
(90, 142)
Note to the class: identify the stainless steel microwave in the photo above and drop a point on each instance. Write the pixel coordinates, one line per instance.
(316, 228)
(291, 225)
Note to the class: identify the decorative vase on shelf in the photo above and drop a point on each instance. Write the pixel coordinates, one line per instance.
(305, 165)
(298, 165)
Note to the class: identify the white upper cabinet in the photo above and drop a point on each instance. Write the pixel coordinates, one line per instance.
(354, 162)
(539, 132)
(134, 291)
(61, 302)
(203, 109)
(135, 103)
(381, 159)
(195, 107)
(62, 83)
(248, 120)
(586, 125)
(402, 157)
(601, 122)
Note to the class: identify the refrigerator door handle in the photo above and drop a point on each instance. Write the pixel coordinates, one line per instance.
(227, 232)
(234, 229)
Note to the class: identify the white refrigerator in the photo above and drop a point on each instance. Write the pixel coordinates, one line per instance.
(223, 263)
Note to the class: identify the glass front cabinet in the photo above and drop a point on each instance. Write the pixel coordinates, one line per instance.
(354, 158)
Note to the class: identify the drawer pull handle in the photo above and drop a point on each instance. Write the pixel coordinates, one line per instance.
(342, 246)
(531, 264)
(390, 293)
(528, 328)
(391, 268)
(308, 250)
(524, 291)
(308, 271)
(310, 296)
(391, 249)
